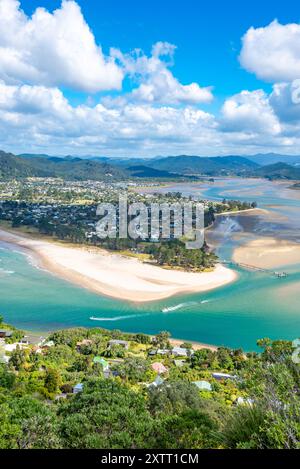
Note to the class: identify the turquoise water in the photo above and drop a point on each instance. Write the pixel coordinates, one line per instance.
(256, 305)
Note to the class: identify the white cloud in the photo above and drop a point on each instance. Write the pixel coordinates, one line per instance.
(249, 112)
(40, 119)
(157, 84)
(32, 99)
(272, 52)
(284, 106)
(41, 54)
(47, 117)
(53, 49)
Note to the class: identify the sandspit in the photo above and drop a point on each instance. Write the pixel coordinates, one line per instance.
(116, 275)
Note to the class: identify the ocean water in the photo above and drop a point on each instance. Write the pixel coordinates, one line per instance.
(256, 305)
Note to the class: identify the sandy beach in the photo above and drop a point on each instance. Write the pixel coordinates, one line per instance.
(268, 253)
(116, 275)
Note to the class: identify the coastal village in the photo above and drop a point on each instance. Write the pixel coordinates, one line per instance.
(92, 388)
(136, 359)
(68, 208)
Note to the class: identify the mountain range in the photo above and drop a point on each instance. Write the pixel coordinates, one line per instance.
(114, 169)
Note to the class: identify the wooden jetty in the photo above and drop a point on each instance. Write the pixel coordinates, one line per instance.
(256, 268)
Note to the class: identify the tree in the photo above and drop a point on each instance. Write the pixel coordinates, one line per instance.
(224, 358)
(134, 369)
(142, 338)
(52, 380)
(7, 378)
(189, 429)
(106, 415)
(83, 363)
(172, 398)
(202, 358)
(162, 339)
(115, 351)
(18, 358)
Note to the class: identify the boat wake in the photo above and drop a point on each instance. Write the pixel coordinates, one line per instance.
(7, 272)
(118, 318)
(183, 305)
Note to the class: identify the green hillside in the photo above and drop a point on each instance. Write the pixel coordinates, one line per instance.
(12, 166)
(279, 171)
(213, 166)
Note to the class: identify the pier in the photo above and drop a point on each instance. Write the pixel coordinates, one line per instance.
(256, 268)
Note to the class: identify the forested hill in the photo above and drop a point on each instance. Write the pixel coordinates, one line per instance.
(12, 166)
(279, 171)
(214, 166)
(115, 169)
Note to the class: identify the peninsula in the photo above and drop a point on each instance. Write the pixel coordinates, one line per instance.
(116, 275)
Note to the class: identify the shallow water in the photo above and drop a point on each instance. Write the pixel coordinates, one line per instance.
(255, 306)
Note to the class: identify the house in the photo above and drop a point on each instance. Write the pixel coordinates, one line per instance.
(4, 358)
(10, 347)
(31, 340)
(180, 352)
(179, 363)
(122, 343)
(48, 344)
(159, 368)
(160, 351)
(163, 351)
(203, 385)
(220, 376)
(83, 343)
(157, 382)
(5, 333)
(105, 366)
(102, 362)
(77, 388)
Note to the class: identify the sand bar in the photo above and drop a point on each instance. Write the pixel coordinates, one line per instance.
(116, 275)
(268, 253)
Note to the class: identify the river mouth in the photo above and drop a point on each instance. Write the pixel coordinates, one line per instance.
(257, 305)
(277, 216)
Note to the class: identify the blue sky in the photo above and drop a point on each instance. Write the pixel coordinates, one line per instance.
(207, 34)
(242, 108)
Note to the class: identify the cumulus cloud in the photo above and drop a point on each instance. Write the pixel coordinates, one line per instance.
(272, 52)
(157, 84)
(32, 99)
(249, 112)
(47, 52)
(41, 119)
(53, 49)
(47, 116)
(281, 99)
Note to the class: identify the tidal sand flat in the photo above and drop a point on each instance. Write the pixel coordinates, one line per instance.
(116, 275)
(268, 253)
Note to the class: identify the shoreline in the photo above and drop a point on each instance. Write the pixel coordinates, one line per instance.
(174, 342)
(100, 271)
(239, 212)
